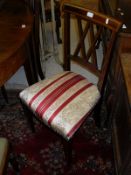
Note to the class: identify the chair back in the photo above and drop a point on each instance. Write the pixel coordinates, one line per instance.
(35, 7)
(34, 42)
(95, 32)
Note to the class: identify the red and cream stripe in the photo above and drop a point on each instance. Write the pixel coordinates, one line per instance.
(63, 101)
(55, 94)
(46, 87)
(67, 102)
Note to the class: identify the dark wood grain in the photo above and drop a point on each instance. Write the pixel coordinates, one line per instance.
(16, 22)
(95, 27)
(118, 89)
(126, 67)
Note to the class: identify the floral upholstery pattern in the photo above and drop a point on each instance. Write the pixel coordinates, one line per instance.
(62, 102)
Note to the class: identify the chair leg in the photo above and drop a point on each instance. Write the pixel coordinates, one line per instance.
(29, 116)
(68, 152)
(97, 114)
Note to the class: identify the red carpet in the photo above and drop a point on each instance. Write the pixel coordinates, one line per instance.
(41, 153)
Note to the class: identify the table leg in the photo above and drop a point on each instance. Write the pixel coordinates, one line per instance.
(4, 93)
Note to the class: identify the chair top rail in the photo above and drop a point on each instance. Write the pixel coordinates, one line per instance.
(96, 17)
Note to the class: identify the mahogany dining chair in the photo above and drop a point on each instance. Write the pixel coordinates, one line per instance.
(66, 100)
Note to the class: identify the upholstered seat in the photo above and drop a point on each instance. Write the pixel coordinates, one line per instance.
(62, 102)
(3, 153)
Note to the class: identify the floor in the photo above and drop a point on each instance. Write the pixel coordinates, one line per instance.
(42, 153)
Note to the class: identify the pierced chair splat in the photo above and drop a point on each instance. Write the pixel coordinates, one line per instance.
(64, 101)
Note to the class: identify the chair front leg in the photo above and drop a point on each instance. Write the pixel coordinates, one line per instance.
(68, 151)
(29, 116)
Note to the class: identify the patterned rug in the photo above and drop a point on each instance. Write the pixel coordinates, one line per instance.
(41, 153)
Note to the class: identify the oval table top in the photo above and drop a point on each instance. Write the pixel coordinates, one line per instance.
(16, 21)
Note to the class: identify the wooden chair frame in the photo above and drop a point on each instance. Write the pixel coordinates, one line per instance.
(34, 40)
(102, 22)
(91, 17)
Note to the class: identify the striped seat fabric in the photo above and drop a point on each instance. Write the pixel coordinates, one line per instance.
(62, 102)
